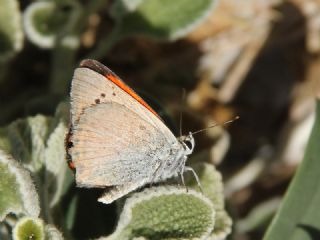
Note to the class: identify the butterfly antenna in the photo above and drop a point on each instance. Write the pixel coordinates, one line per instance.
(215, 125)
(183, 102)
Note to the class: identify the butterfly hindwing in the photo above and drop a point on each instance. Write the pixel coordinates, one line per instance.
(112, 146)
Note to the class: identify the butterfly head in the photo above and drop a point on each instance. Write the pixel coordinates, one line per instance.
(187, 142)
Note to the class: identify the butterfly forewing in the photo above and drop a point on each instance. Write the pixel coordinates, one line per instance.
(90, 87)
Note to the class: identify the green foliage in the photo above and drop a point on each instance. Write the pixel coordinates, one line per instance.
(17, 191)
(11, 33)
(45, 20)
(38, 144)
(166, 213)
(35, 140)
(175, 213)
(29, 228)
(35, 229)
(161, 19)
(299, 215)
(211, 182)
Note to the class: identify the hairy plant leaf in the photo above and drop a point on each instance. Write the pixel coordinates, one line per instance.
(26, 140)
(38, 143)
(166, 213)
(43, 21)
(17, 191)
(211, 182)
(163, 19)
(11, 34)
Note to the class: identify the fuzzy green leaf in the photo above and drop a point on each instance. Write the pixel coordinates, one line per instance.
(38, 143)
(17, 191)
(44, 20)
(26, 140)
(163, 19)
(299, 217)
(54, 154)
(11, 34)
(58, 176)
(29, 228)
(211, 182)
(166, 213)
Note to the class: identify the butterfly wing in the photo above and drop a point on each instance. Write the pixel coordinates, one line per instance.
(113, 193)
(116, 139)
(94, 83)
(113, 145)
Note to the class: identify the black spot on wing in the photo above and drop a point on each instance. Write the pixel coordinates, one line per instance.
(70, 144)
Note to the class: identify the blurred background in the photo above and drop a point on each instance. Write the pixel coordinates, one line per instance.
(257, 59)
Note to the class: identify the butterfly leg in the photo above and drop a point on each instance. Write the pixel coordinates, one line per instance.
(195, 176)
(182, 180)
(183, 169)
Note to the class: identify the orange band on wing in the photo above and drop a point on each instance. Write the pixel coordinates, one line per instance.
(128, 90)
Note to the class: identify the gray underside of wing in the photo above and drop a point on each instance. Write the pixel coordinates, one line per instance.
(113, 193)
(112, 146)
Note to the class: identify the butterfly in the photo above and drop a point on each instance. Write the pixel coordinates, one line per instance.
(116, 140)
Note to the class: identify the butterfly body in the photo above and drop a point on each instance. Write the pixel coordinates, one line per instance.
(116, 140)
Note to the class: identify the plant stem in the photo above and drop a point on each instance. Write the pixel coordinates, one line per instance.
(64, 57)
